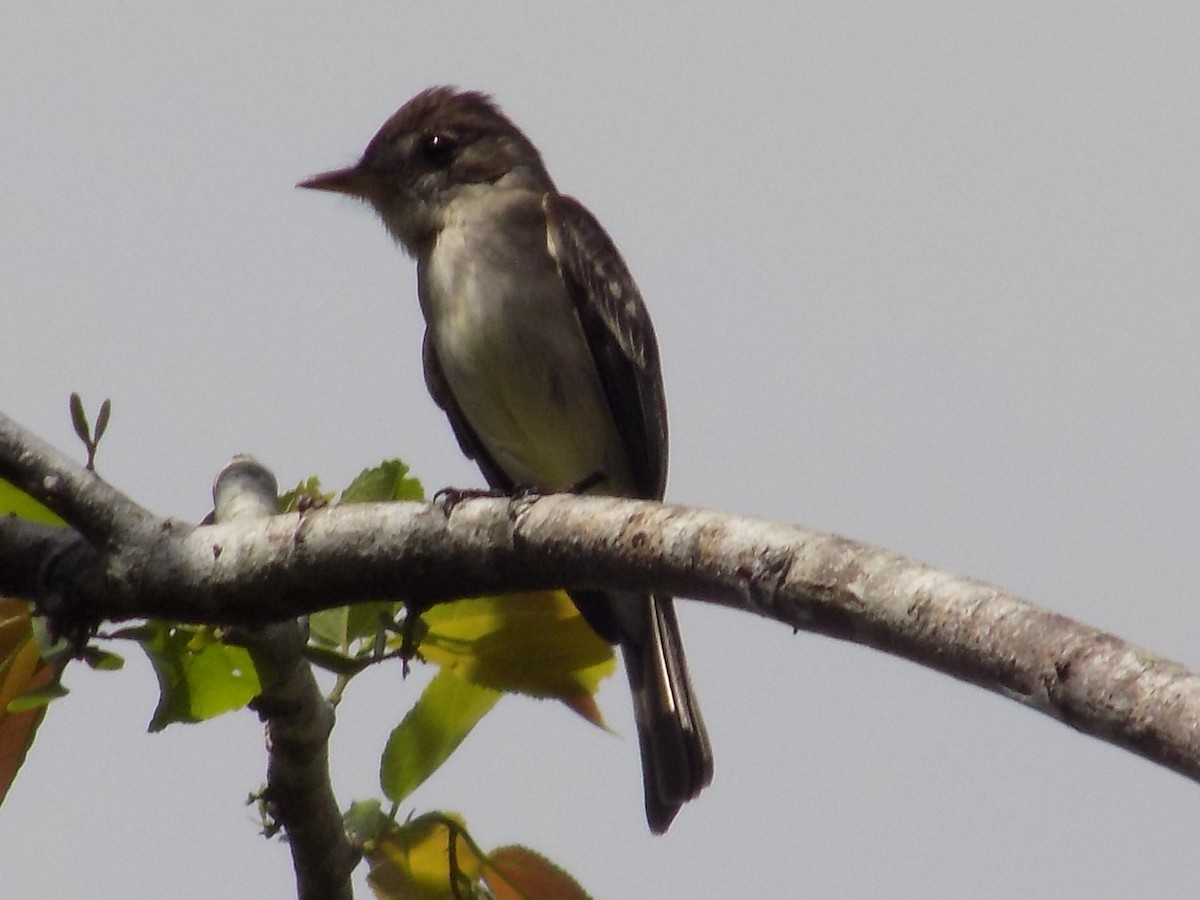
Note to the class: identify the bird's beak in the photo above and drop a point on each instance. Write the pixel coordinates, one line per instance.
(354, 180)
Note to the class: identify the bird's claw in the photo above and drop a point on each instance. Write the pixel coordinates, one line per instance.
(449, 497)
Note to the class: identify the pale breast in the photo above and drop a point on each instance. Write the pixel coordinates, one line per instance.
(512, 350)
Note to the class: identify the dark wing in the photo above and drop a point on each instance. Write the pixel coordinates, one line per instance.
(471, 446)
(619, 333)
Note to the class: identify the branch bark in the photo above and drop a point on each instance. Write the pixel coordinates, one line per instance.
(279, 567)
(299, 794)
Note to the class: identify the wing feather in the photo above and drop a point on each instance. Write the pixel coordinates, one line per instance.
(619, 333)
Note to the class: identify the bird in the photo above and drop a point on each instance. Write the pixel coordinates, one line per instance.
(540, 350)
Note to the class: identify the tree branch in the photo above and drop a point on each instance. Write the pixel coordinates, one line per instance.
(299, 720)
(280, 567)
(95, 509)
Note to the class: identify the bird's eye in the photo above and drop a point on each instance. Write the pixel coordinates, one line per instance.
(438, 149)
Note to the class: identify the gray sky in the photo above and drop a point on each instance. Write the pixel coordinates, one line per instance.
(923, 274)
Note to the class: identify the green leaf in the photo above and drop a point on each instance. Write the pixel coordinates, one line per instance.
(199, 677)
(16, 502)
(103, 660)
(308, 490)
(341, 626)
(327, 628)
(533, 643)
(36, 699)
(386, 482)
(444, 714)
(364, 820)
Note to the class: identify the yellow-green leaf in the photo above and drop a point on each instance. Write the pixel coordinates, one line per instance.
(443, 715)
(386, 482)
(533, 643)
(16, 502)
(102, 660)
(199, 676)
(364, 821)
(426, 858)
(433, 857)
(345, 626)
(38, 697)
(308, 490)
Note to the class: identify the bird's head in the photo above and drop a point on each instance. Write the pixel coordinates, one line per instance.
(437, 146)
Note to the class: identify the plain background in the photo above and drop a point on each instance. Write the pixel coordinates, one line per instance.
(923, 274)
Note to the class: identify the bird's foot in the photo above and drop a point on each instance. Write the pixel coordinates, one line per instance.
(449, 497)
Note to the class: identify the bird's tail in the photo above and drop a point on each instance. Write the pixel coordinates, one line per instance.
(677, 760)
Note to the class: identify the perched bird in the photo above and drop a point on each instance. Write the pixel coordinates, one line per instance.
(540, 350)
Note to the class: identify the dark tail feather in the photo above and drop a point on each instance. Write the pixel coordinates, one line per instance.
(677, 760)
